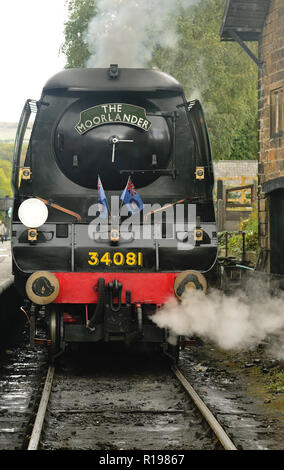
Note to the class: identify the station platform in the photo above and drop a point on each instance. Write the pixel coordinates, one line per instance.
(6, 277)
(12, 319)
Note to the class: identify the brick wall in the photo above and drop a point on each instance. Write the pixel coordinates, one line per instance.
(271, 77)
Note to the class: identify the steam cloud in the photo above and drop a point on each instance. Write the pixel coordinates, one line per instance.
(233, 322)
(124, 32)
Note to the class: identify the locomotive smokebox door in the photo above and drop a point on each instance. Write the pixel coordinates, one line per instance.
(114, 138)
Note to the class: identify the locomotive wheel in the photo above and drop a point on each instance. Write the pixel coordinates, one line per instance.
(55, 333)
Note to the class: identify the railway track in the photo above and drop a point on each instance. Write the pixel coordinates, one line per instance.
(21, 376)
(111, 405)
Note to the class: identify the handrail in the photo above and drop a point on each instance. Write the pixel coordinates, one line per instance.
(21, 129)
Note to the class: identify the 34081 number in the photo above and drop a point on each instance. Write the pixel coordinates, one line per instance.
(116, 259)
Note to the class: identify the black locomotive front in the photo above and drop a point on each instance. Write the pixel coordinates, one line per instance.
(96, 134)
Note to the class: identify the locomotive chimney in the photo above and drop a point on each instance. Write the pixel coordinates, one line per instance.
(113, 72)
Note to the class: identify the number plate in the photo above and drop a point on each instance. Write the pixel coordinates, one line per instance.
(115, 259)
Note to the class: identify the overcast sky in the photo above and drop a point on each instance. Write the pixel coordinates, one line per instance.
(31, 32)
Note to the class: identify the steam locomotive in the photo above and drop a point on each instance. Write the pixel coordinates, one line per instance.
(113, 206)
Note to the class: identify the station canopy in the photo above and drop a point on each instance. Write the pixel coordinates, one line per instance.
(245, 18)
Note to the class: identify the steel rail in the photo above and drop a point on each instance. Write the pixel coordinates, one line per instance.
(35, 437)
(217, 429)
(219, 432)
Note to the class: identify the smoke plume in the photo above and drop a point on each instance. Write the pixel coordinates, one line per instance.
(233, 322)
(125, 32)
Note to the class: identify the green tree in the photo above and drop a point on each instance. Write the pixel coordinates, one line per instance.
(5, 178)
(74, 47)
(220, 74)
(245, 141)
(6, 151)
(6, 158)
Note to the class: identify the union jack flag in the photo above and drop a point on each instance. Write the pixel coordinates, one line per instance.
(131, 198)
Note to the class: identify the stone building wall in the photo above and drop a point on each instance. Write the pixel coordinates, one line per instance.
(271, 121)
(235, 168)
